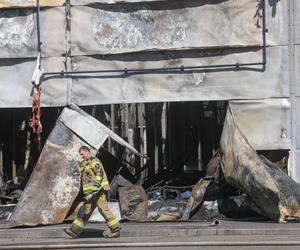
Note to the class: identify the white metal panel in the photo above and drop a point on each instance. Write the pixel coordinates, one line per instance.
(18, 34)
(15, 83)
(218, 85)
(265, 123)
(113, 29)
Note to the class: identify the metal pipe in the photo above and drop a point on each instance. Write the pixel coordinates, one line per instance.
(38, 25)
(163, 69)
(153, 70)
(264, 30)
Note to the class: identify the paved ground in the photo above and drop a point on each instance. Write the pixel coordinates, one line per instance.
(160, 235)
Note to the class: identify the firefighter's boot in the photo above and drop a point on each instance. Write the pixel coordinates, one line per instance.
(112, 233)
(74, 231)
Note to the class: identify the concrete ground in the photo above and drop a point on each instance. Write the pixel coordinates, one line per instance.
(160, 235)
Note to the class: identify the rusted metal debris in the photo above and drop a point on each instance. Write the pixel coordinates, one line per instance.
(196, 199)
(133, 203)
(167, 203)
(272, 190)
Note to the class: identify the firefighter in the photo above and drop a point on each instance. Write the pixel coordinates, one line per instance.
(95, 190)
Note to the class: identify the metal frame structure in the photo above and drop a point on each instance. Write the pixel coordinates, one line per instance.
(160, 70)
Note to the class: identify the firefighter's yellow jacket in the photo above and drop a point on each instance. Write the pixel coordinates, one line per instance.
(93, 176)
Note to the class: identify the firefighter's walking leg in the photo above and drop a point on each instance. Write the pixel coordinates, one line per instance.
(111, 221)
(83, 215)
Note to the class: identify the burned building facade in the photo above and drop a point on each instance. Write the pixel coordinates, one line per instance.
(158, 73)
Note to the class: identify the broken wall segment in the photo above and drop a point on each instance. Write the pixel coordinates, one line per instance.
(272, 190)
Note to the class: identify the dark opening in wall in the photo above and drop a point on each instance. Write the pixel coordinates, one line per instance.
(178, 137)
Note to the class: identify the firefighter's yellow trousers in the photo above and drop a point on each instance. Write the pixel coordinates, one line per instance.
(100, 201)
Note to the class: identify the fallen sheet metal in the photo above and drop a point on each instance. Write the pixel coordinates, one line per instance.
(133, 203)
(273, 191)
(196, 199)
(166, 210)
(55, 181)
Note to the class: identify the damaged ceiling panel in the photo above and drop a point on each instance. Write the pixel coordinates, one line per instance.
(266, 123)
(16, 88)
(271, 189)
(29, 3)
(18, 34)
(165, 26)
(215, 85)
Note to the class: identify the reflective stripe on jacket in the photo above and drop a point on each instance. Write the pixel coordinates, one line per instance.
(93, 176)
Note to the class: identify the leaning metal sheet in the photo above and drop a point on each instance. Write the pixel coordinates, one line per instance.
(54, 182)
(216, 85)
(89, 128)
(29, 3)
(265, 123)
(110, 29)
(270, 188)
(16, 86)
(18, 35)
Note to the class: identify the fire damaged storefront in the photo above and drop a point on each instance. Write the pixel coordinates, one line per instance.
(192, 114)
(175, 180)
